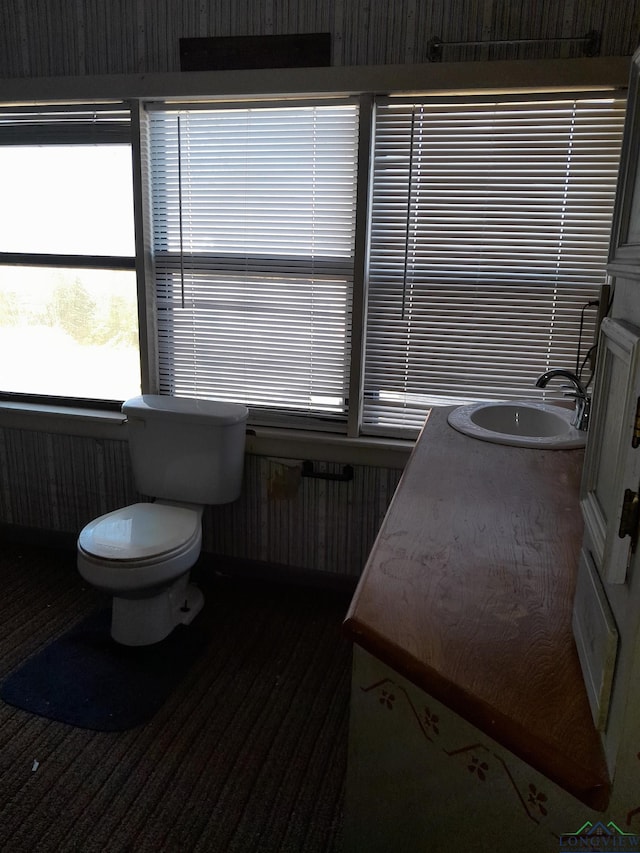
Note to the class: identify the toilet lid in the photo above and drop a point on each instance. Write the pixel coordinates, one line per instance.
(139, 531)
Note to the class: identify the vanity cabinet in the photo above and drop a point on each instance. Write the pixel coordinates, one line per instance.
(470, 723)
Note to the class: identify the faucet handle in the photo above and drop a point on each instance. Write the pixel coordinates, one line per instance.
(582, 409)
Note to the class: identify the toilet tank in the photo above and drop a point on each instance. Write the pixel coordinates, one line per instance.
(186, 450)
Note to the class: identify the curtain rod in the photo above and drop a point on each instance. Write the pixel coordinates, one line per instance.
(436, 45)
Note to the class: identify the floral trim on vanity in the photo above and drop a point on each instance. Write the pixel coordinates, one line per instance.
(479, 759)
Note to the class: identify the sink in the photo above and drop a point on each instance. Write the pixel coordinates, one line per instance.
(520, 424)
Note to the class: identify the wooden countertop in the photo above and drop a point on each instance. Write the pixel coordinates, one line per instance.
(468, 593)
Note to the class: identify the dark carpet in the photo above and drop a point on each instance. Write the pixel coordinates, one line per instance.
(84, 678)
(247, 753)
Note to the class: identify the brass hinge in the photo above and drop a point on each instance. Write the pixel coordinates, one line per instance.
(635, 438)
(630, 517)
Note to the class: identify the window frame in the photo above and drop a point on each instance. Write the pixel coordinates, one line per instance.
(272, 417)
(391, 215)
(58, 126)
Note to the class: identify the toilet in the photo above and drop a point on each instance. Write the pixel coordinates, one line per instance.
(186, 454)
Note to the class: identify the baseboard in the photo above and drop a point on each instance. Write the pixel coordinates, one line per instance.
(236, 567)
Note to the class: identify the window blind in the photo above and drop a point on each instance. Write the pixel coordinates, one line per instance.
(253, 232)
(490, 225)
(65, 124)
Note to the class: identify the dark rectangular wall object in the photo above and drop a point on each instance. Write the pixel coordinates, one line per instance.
(310, 50)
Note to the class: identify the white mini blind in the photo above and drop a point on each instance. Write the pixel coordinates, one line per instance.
(50, 124)
(489, 234)
(253, 232)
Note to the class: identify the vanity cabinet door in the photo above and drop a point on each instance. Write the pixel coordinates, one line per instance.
(611, 475)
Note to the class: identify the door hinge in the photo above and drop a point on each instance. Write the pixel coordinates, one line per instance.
(635, 438)
(630, 517)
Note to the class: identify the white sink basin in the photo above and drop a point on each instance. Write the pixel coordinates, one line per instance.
(536, 425)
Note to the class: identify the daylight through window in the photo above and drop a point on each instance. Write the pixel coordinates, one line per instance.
(68, 299)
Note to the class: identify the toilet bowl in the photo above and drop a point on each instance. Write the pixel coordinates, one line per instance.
(141, 555)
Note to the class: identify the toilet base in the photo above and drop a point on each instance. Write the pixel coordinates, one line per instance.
(143, 621)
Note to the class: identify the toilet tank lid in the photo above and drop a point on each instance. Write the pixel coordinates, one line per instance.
(160, 406)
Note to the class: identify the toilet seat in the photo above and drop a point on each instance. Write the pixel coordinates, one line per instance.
(140, 531)
(139, 546)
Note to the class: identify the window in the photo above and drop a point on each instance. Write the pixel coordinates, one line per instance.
(68, 301)
(289, 264)
(253, 212)
(489, 234)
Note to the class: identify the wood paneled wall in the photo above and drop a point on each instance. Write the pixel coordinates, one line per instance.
(79, 37)
(58, 483)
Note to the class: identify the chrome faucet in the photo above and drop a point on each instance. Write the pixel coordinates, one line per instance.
(582, 398)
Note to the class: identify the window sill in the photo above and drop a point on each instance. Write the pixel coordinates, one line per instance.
(261, 441)
(328, 447)
(41, 417)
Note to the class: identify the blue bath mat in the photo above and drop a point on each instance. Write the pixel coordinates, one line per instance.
(86, 679)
